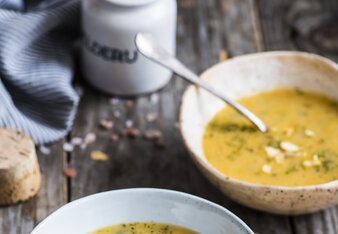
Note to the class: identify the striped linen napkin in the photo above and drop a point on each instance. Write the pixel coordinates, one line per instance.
(36, 68)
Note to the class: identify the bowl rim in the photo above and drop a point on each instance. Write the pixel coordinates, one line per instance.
(130, 3)
(202, 162)
(157, 191)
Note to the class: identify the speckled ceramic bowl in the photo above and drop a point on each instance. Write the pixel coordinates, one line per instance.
(142, 205)
(248, 75)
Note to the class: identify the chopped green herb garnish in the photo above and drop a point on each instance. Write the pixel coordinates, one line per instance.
(299, 91)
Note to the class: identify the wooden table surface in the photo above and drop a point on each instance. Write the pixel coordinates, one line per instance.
(206, 30)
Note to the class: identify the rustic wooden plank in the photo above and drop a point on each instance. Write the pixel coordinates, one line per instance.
(286, 25)
(276, 32)
(320, 222)
(294, 25)
(21, 218)
(239, 21)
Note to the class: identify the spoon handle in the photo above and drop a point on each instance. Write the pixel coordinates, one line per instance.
(147, 46)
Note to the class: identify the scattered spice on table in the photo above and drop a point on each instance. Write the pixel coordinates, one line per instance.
(151, 116)
(130, 103)
(89, 138)
(152, 134)
(76, 141)
(97, 155)
(114, 101)
(114, 137)
(223, 55)
(117, 114)
(129, 123)
(131, 132)
(68, 147)
(70, 172)
(106, 124)
(44, 150)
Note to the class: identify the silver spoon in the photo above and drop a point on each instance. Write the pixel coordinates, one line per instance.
(147, 46)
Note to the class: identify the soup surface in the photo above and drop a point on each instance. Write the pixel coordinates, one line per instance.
(300, 148)
(144, 228)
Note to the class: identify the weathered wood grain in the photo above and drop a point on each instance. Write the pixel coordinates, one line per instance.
(320, 222)
(21, 218)
(293, 25)
(53, 192)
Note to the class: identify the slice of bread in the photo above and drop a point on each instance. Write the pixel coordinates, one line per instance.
(20, 176)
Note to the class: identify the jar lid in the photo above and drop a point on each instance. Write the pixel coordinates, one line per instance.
(130, 2)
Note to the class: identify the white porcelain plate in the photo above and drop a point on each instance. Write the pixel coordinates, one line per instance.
(129, 205)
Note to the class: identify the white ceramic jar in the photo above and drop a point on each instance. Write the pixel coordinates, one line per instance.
(110, 61)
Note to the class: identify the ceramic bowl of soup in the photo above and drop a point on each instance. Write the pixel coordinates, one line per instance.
(292, 169)
(142, 210)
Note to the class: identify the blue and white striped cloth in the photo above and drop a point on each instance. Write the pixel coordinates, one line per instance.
(36, 68)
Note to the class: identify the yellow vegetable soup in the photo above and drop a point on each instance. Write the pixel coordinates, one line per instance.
(143, 228)
(301, 147)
